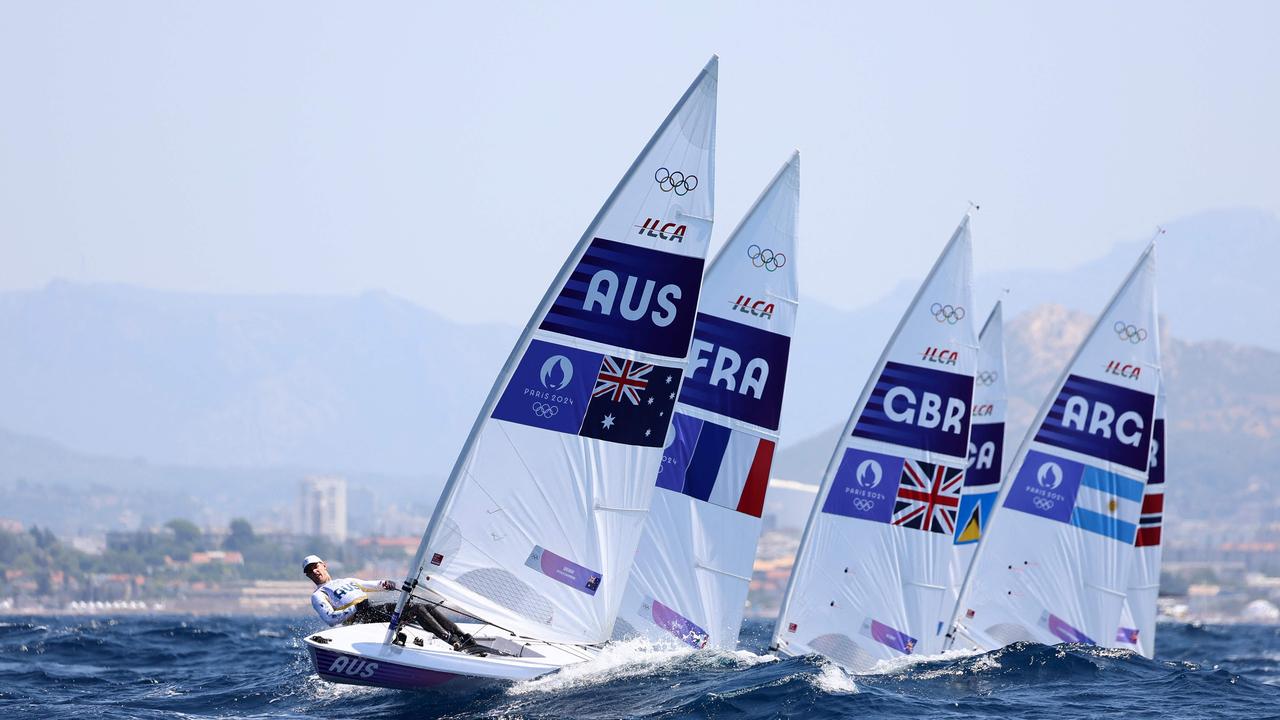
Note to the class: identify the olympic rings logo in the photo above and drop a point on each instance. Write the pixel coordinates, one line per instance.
(986, 378)
(545, 410)
(863, 504)
(677, 181)
(1042, 503)
(766, 258)
(1131, 333)
(949, 314)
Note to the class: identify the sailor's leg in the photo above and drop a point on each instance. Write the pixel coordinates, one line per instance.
(426, 619)
(445, 622)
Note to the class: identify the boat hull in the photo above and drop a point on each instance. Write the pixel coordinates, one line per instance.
(356, 655)
(341, 667)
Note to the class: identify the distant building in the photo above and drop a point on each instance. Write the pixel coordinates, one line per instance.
(217, 557)
(323, 507)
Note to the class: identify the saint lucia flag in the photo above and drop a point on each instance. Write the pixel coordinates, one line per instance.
(1108, 504)
(714, 464)
(975, 508)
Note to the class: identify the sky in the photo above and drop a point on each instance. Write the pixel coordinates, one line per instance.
(452, 154)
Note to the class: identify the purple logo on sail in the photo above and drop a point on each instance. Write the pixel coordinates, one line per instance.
(563, 570)
(684, 629)
(887, 636)
(1063, 630)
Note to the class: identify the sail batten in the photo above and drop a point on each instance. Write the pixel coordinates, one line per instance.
(539, 518)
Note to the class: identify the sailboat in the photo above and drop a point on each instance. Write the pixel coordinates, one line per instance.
(535, 531)
(871, 574)
(693, 567)
(1054, 565)
(986, 455)
(1137, 629)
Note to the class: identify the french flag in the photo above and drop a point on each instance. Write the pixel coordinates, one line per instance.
(715, 464)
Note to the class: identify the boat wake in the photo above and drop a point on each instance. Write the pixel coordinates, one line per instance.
(638, 657)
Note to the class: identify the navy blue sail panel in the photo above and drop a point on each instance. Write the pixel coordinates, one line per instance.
(1155, 473)
(736, 371)
(919, 408)
(986, 454)
(1101, 420)
(568, 390)
(631, 297)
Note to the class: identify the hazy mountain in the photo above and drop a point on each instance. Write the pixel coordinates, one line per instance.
(1223, 418)
(368, 383)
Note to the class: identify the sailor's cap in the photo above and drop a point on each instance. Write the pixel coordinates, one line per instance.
(310, 560)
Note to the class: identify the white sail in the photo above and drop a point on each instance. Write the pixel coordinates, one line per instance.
(986, 455)
(873, 567)
(1137, 629)
(693, 567)
(1054, 565)
(538, 524)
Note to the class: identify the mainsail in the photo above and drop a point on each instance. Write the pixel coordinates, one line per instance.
(986, 455)
(1054, 565)
(693, 567)
(537, 526)
(873, 567)
(1137, 629)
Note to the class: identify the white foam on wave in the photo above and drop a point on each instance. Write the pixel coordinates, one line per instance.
(906, 663)
(833, 679)
(634, 657)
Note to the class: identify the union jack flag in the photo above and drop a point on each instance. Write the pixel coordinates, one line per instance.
(928, 497)
(620, 379)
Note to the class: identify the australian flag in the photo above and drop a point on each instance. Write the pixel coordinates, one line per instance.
(631, 402)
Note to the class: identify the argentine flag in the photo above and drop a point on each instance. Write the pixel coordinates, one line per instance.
(1108, 504)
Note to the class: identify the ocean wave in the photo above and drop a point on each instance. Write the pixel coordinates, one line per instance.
(139, 667)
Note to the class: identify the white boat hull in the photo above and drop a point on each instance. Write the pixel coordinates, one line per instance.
(356, 654)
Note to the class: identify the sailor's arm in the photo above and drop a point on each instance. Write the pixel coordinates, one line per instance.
(375, 585)
(328, 613)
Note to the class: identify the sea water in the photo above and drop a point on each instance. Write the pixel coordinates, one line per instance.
(171, 667)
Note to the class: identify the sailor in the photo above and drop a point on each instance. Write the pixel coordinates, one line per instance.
(345, 601)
